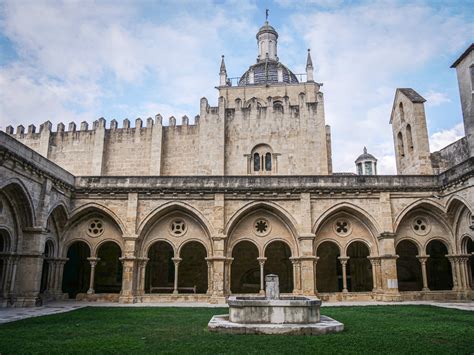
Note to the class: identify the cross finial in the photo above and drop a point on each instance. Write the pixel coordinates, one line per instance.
(365, 150)
(266, 14)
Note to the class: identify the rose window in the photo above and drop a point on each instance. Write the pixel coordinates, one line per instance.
(342, 227)
(178, 227)
(420, 226)
(96, 228)
(262, 227)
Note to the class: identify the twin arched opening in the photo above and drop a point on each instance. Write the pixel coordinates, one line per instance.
(347, 274)
(186, 273)
(248, 269)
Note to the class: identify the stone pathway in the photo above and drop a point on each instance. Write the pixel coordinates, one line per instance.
(13, 314)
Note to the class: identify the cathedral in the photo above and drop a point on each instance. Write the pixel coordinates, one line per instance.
(201, 210)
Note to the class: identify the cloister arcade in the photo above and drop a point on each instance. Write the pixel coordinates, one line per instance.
(85, 251)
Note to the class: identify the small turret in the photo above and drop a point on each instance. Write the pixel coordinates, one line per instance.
(223, 74)
(267, 39)
(309, 67)
(366, 164)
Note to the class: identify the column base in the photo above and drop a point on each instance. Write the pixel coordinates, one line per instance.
(127, 299)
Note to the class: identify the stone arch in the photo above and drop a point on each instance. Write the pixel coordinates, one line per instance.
(460, 217)
(359, 267)
(174, 206)
(328, 267)
(279, 211)
(278, 261)
(160, 268)
(245, 268)
(60, 213)
(440, 239)
(428, 205)
(360, 240)
(232, 246)
(419, 246)
(5, 239)
(409, 272)
(193, 270)
(362, 215)
(76, 275)
(92, 207)
(108, 271)
(18, 196)
(5, 248)
(438, 267)
(455, 202)
(49, 251)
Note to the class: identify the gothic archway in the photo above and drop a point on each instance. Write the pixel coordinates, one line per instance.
(359, 268)
(77, 269)
(328, 268)
(108, 272)
(408, 267)
(192, 271)
(160, 270)
(278, 262)
(245, 270)
(438, 267)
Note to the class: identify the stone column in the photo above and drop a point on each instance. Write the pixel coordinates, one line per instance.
(141, 276)
(261, 261)
(128, 273)
(464, 271)
(315, 278)
(228, 270)
(343, 261)
(296, 275)
(375, 262)
(210, 286)
(454, 271)
(51, 275)
(423, 259)
(176, 267)
(93, 261)
(58, 289)
(14, 265)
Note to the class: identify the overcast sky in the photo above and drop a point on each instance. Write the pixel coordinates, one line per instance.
(81, 60)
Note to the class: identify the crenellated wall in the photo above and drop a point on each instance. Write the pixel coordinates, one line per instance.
(287, 118)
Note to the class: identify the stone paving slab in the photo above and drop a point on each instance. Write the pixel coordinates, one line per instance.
(13, 314)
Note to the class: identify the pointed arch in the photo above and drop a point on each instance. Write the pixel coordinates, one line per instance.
(59, 216)
(174, 206)
(83, 210)
(429, 206)
(276, 209)
(362, 215)
(18, 196)
(455, 205)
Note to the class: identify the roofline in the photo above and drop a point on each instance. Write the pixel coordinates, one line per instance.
(464, 55)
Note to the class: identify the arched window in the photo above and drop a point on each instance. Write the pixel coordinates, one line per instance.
(256, 162)
(261, 160)
(402, 112)
(268, 162)
(409, 139)
(401, 148)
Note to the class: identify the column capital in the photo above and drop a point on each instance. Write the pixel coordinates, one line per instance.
(93, 261)
(176, 260)
(262, 260)
(422, 258)
(343, 259)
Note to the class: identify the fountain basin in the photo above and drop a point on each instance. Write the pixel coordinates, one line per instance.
(285, 310)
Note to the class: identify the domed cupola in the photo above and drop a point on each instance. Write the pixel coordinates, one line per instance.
(366, 164)
(268, 69)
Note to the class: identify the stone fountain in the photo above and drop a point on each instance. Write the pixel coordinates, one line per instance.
(274, 314)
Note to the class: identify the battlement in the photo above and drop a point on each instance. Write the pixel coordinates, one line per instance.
(101, 123)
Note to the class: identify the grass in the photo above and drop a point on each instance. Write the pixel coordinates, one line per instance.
(370, 329)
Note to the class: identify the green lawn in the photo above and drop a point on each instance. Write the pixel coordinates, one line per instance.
(372, 329)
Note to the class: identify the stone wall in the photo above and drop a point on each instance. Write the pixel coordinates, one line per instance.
(450, 156)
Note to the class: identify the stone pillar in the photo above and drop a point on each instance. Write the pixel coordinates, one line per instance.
(141, 275)
(423, 259)
(176, 268)
(315, 278)
(454, 271)
(464, 271)
(210, 286)
(30, 267)
(14, 265)
(228, 275)
(58, 289)
(93, 261)
(219, 267)
(375, 262)
(51, 275)
(343, 261)
(128, 272)
(261, 261)
(296, 275)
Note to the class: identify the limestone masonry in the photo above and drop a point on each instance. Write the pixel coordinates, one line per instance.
(202, 211)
